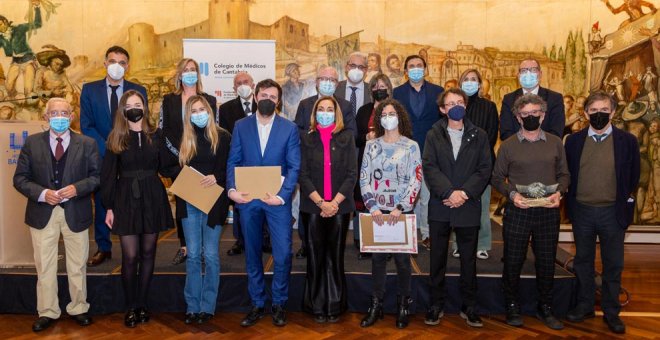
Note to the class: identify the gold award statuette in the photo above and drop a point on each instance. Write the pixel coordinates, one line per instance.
(534, 195)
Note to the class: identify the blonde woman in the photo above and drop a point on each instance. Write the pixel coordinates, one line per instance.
(135, 198)
(204, 147)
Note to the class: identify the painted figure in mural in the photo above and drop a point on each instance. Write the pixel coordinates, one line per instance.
(632, 7)
(451, 83)
(393, 63)
(649, 83)
(634, 85)
(569, 103)
(595, 39)
(14, 42)
(292, 91)
(529, 76)
(601, 204)
(615, 88)
(419, 97)
(639, 129)
(51, 79)
(574, 120)
(354, 89)
(374, 68)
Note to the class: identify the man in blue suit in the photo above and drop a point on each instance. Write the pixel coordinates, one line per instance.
(419, 97)
(266, 139)
(98, 104)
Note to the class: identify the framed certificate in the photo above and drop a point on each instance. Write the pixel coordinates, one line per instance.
(400, 237)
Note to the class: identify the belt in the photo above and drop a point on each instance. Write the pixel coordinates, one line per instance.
(22, 59)
(137, 176)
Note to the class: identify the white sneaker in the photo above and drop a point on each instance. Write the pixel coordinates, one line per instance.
(482, 254)
(455, 253)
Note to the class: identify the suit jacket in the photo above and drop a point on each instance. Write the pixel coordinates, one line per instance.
(306, 106)
(341, 93)
(34, 174)
(626, 164)
(554, 118)
(171, 119)
(232, 111)
(95, 117)
(420, 124)
(282, 149)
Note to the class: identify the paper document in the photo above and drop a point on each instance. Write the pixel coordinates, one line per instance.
(390, 233)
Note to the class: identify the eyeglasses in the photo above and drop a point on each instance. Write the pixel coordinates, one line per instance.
(354, 66)
(326, 79)
(529, 69)
(452, 104)
(530, 113)
(59, 114)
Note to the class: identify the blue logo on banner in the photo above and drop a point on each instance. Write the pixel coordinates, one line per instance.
(15, 145)
(204, 68)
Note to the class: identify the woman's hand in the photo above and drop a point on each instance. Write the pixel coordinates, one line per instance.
(329, 209)
(394, 216)
(371, 135)
(109, 218)
(378, 217)
(208, 181)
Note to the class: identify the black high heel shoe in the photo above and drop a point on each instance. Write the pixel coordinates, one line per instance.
(143, 315)
(131, 318)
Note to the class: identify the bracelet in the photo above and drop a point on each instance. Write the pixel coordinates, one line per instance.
(319, 202)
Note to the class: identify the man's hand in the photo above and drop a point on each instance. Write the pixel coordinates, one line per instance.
(271, 199)
(394, 216)
(208, 181)
(239, 197)
(519, 201)
(68, 192)
(554, 200)
(456, 199)
(52, 197)
(109, 218)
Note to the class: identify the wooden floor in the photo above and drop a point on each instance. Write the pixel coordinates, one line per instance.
(642, 317)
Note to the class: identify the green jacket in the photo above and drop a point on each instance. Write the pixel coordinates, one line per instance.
(17, 43)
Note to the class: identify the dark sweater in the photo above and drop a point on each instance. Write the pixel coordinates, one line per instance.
(483, 113)
(597, 179)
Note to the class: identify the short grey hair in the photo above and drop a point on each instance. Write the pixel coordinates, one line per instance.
(54, 100)
(526, 99)
(359, 55)
(323, 68)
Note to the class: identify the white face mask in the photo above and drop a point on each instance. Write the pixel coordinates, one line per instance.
(244, 91)
(389, 122)
(116, 71)
(355, 75)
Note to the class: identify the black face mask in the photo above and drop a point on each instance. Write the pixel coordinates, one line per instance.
(266, 107)
(134, 115)
(380, 94)
(531, 123)
(599, 120)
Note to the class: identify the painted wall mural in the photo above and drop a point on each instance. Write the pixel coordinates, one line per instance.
(582, 45)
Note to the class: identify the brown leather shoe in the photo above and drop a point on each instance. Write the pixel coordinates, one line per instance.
(99, 258)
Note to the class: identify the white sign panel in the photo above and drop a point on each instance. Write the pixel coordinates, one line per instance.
(220, 59)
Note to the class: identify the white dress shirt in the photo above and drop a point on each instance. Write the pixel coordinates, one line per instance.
(264, 132)
(249, 101)
(359, 94)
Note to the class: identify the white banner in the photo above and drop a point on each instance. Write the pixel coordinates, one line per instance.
(220, 59)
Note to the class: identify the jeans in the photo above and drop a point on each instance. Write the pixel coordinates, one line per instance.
(485, 235)
(422, 210)
(201, 291)
(588, 223)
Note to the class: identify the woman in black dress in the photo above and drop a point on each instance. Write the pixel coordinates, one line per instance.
(135, 197)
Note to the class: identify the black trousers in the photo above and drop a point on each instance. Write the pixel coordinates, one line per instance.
(379, 273)
(325, 284)
(588, 223)
(542, 224)
(466, 239)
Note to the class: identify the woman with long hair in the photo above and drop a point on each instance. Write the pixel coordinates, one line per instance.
(390, 179)
(135, 198)
(204, 147)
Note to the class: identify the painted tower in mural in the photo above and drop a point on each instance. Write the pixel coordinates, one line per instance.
(229, 19)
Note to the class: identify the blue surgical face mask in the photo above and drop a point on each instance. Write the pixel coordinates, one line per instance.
(456, 113)
(189, 78)
(529, 80)
(59, 124)
(327, 87)
(470, 87)
(325, 118)
(200, 119)
(416, 74)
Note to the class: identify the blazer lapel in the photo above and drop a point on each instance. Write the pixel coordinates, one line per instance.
(254, 132)
(47, 158)
(102, 94)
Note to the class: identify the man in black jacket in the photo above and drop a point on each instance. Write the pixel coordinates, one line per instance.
(58, 170)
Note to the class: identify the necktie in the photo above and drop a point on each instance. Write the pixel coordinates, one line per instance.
(353, 100)
(114, 102)
(247, 108)
(59, 149)
(599, 138)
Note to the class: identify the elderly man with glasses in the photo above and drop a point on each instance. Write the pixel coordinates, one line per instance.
(531, 171)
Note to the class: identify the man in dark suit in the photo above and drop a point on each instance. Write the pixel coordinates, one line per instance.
(529, 76)
(98, 105)
(58, 170)
(354, 89)
(419, 97)
(266, 139)
(604, 166)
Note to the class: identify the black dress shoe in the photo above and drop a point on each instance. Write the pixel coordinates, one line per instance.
(578, 315)
(513, 317)
(42, 323)
(279, 315)
(180, 257)
(302, 253)
(253, 316)
(82, 319)
(320, 318)
(191, 318)
(204, 317)
(130, 318)
(236, 249)
(333, 318)
(99, 257)
(615, 324)
(544, 313)
(142, 315)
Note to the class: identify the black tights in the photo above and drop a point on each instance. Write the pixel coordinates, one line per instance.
(134, 249)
